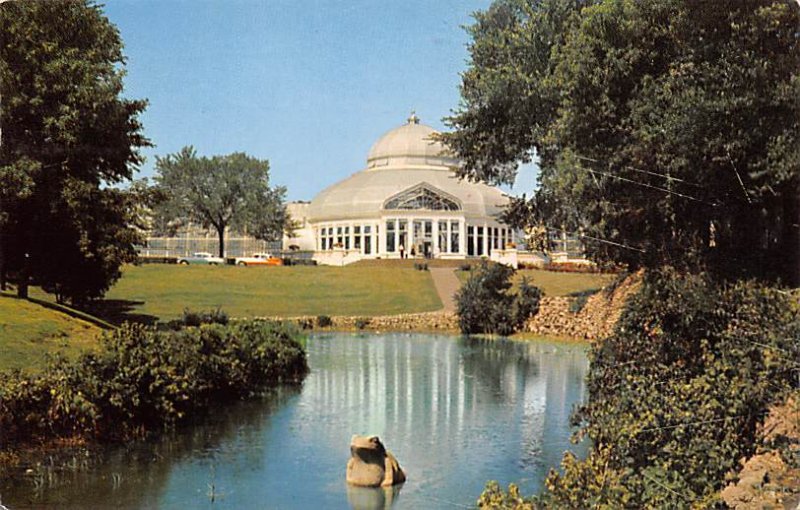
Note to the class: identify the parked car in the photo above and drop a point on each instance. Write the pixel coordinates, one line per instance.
(201, 257)
(259, 259)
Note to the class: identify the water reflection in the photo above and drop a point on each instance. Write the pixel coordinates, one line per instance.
(455, 412)
(363, 498)
(136, 475)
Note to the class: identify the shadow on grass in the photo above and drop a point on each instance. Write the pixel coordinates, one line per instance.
(580, 298)
(118, 311)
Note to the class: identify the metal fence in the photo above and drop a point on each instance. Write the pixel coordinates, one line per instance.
(183, 246)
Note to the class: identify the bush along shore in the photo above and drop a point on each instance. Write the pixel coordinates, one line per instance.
(145, 381)
(677, 395)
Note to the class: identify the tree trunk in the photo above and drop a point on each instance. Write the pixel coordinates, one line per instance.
(2, 263)
(22, 284)
(790, 245)
(221, 234)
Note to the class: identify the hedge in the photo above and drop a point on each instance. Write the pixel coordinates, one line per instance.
(146, 380)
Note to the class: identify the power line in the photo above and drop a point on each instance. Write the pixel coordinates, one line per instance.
(645, 185)
(600, 240)
(664, 486)
(699, 422)
(647, 172)
(744, 190)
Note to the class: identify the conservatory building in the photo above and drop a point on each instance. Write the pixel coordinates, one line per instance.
(407, 202)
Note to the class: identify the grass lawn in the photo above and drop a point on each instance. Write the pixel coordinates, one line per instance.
(556, 283)
(160, 291)
(29, 331)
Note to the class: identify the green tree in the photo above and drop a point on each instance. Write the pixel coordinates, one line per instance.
(220, 192)
(67, 138)
(677, 393)
(486, 303)
(667, 131)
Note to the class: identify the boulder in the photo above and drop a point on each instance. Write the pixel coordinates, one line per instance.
(371, 465)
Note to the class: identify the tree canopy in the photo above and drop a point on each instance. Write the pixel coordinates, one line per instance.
(220, 192)
(667, 131)
(68, 136)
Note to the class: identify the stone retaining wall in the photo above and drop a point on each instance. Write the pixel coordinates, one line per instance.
(429, 321)
(595, 320)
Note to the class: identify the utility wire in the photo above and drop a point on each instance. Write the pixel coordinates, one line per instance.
(664, 486)
(597, 239)
(647, 172)
(744, 190)
(645, 185)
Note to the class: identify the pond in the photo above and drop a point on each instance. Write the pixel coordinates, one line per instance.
(456, 412)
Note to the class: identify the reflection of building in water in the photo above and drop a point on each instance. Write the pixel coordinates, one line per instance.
(491, 397)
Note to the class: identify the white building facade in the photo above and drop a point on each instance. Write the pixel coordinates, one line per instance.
(406, 202)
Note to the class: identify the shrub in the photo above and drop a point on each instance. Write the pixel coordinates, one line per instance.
(324, 321)
(677, 392)
(494, 498)
(421, 266)
(484, 303)
(465, 266)
(193, 319)
(362, 322)
(526, 303)
(146, 380)
(305, 323)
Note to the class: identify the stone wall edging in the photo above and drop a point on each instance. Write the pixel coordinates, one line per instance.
(596, 319)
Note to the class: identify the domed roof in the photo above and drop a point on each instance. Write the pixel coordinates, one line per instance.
(411, 143)
(405, 162)
(366, 194)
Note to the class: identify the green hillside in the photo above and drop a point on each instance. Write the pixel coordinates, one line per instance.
(29, 331)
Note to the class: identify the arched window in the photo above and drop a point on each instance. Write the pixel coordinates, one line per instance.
(422, 197)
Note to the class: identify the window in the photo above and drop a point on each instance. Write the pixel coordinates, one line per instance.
(479, 243)
(390, 236)
(443, 237)
(418, 225)
(401, 238)
(455, 247)
(471, 241)
(423, 197)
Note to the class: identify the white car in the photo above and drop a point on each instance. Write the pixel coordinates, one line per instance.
(201, 257)
(259, 259)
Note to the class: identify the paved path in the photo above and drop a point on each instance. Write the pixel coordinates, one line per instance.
(447, 283)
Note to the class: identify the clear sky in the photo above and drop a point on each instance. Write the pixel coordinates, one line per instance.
(308, 85)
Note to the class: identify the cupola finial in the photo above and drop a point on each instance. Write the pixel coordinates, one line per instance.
(413, 119)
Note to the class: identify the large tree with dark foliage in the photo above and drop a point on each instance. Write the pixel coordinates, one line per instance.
(67, 138)
(667, 131)
(219, 192)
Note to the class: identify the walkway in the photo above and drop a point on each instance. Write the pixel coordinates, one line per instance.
(446, 283)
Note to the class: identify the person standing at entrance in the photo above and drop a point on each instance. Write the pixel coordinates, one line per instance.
(402, 251)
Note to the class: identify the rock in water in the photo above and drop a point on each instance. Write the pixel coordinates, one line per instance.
(370, 465)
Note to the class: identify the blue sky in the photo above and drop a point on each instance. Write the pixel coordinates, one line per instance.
(309, 85)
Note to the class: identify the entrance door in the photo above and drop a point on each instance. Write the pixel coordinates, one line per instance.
(427, 249)
(423, 238)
